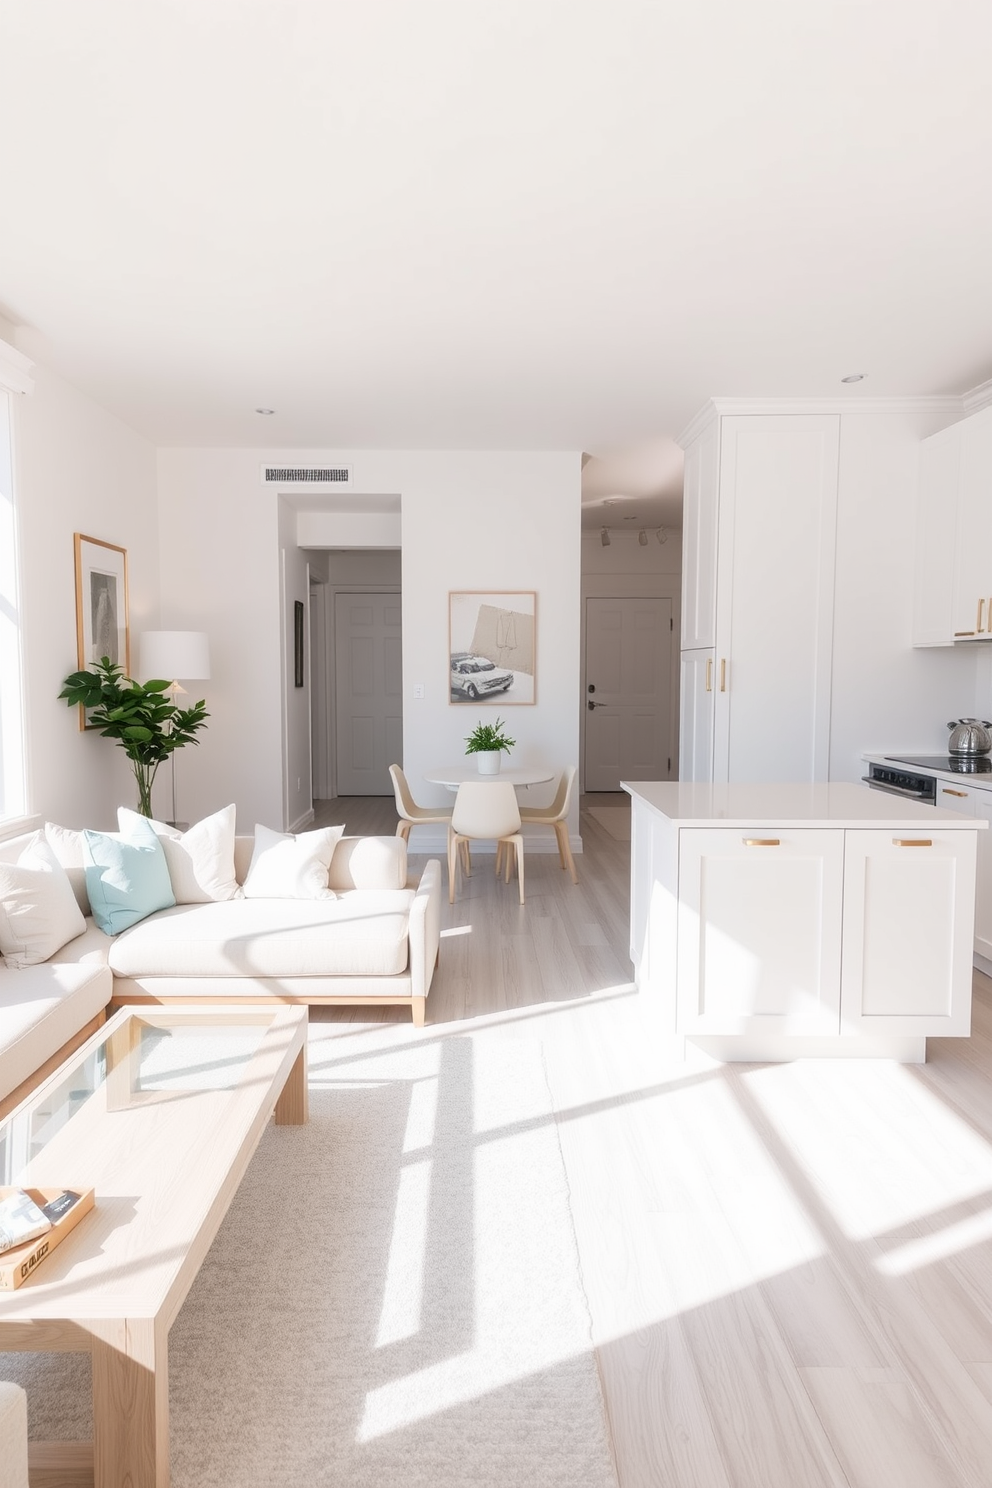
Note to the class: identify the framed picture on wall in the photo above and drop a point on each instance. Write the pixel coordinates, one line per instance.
(297, 643)
(102, 627)
(492, 644)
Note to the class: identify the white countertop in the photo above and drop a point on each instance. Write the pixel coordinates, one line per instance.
(840, 804)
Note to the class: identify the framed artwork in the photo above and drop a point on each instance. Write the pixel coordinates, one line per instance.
(492, 643)
(102, 627)
(297, 643)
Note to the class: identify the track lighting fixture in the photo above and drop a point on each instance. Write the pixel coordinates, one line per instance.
(642, 538)
(604, 537)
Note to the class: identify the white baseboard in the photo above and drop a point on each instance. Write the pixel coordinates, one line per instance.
(302, 822)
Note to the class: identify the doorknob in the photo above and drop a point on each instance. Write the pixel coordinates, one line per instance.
(590, 705)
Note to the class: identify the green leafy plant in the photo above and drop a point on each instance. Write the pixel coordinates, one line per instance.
(488, 737)
(138, 715)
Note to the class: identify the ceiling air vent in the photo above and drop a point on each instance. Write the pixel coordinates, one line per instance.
(306, 477)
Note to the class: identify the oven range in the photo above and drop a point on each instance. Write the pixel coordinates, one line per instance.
(896, 775)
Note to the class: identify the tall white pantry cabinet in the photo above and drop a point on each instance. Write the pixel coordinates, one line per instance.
(759, 540)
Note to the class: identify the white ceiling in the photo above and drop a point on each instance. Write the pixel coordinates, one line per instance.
(496, 224)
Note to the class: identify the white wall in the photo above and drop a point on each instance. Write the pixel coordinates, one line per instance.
(76, 469)
(470, 520)
(297, 807)
(886, 694)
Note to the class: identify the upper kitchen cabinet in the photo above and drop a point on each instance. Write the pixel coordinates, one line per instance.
(953, 589)
(758, 584)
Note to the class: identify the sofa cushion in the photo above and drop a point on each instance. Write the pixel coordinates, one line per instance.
(369, 863)
(38, 910)
(70, 849)
(284, 866)
(200, 860)
(41, 1008)
(127, 878)
(359, 933)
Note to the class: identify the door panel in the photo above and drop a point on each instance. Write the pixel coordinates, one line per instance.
(368, 692)
(628, 683)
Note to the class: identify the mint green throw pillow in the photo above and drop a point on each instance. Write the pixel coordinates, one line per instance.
(127, 877)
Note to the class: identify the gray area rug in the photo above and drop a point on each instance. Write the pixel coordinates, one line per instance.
(394, 1296)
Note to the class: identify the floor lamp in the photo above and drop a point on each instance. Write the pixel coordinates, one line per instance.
(177, 654)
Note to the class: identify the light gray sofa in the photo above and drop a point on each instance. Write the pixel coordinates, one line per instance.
(376, 942)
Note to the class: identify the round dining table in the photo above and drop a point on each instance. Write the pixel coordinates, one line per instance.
(453, 776)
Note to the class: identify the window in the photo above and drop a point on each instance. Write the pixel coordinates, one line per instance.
(12, 775)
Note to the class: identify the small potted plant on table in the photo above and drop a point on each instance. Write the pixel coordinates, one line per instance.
(487, 742)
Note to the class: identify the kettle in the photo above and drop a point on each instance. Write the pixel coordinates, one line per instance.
(970, 736)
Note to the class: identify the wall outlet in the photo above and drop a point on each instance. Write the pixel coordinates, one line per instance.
(418, 689)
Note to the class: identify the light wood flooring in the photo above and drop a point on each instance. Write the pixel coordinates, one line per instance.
(788, 1267)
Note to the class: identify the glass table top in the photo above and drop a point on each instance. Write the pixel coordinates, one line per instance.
(138, 1057)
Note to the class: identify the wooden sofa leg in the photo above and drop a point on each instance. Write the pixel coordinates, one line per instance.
(419, 1005)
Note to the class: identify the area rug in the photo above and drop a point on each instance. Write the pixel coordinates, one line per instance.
(394, 1296)
(613, 819)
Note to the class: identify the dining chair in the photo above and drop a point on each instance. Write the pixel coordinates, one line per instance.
(485, 810)
(556, 815)
(409, 813)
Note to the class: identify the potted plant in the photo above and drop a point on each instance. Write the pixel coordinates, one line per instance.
(138, 715)
(487, 742)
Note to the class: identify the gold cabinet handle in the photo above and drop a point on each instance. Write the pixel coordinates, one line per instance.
(709, 674)
(912, 842)
(761, 841)
(979, 627)
(723, 674)
(945, 790)
(964, 632)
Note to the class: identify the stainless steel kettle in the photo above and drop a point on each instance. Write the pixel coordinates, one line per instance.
(970, 736)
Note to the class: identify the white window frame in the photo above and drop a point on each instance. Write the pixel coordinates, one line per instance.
(15, 380)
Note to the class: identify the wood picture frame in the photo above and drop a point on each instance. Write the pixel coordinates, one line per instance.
(492, 647)
(102, 623)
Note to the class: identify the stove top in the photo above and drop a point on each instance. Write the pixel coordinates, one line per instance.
(954, 764)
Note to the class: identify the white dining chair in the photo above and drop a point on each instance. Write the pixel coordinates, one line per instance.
(556, 815)
(486, 811)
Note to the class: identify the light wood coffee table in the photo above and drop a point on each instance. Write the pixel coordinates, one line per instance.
(160, 1114)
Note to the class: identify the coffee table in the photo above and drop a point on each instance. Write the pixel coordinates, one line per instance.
(160, 1113)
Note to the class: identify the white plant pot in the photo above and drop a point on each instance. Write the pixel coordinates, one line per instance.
(487, 761)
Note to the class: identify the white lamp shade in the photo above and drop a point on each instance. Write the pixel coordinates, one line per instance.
(173, 655)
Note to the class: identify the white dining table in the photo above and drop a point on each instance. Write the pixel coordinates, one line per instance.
(453, 776)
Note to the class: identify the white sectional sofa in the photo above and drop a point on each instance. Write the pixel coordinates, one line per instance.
(375, 942)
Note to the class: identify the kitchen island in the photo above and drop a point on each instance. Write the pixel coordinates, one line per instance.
(775, 922)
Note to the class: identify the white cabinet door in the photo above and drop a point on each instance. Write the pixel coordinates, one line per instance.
(971, 616)
(759, 947)
(936, 533)
(973, 802)
(699, 539)
(775, 576)
(696, 716)
(908, 930)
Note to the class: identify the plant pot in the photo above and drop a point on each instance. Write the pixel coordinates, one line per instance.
(487, 761)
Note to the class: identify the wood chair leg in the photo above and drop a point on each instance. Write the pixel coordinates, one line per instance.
(453, 854)
(518, 843)
(565, 849)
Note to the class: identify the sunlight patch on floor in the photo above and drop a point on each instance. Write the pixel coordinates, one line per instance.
(842, 1123)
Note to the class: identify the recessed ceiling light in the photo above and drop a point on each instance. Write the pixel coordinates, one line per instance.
(265, 410)
(855, 377)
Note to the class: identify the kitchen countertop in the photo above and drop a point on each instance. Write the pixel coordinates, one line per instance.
(838, 804)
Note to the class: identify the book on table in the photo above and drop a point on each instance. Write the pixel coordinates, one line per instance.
(33, 1222)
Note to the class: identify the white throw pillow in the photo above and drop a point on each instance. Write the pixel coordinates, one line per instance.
(38, 910)
(288, 867)
(200, 861)
(70, 849)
